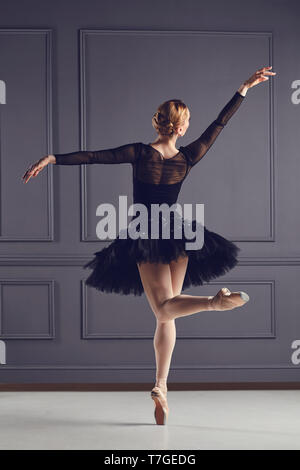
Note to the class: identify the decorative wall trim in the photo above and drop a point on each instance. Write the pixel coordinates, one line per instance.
(47, 34)
(143, 367)
(81, 259)
(271, 334)
(142, 386)
(83, 35)
(51, 312)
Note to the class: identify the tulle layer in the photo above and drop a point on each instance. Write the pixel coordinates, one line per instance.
(114, 268)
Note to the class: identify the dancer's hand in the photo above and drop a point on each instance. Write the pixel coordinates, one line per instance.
(259, 76)
(37, 167)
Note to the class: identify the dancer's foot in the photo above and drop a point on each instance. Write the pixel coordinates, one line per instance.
(161, 410)
(226, 300)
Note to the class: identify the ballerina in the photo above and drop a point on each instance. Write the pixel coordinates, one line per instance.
(163, 268)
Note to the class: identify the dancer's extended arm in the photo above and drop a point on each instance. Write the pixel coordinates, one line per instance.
(123, 154)
(196, 150)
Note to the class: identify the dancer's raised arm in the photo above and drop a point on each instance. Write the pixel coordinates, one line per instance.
(196, 150)
(123, 154)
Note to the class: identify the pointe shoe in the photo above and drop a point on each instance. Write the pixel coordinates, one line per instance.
(226, 300)
(161, 410)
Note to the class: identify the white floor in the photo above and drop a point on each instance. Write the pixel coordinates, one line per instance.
(124, 420)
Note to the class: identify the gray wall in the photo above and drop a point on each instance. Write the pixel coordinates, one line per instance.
(89, 74)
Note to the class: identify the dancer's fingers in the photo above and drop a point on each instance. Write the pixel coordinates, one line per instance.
(264, 68)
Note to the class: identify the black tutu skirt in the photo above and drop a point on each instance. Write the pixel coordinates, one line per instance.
(114, 268)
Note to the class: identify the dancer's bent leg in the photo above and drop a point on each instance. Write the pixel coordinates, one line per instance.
(156, 279)
(157, 282)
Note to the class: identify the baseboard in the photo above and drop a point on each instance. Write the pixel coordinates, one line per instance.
(103, 387)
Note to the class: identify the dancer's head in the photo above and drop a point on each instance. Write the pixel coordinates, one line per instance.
(171, 118)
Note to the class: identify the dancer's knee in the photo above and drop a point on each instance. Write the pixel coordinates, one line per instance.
(162, 310)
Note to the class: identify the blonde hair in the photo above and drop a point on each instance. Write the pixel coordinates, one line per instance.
(169, 115)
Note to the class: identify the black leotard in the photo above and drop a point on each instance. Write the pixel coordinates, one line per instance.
(157, 179)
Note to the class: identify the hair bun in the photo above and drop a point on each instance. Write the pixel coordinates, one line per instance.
(168, 116)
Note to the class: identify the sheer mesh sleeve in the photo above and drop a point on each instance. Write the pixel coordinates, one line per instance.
(199, 147)
(124, 154)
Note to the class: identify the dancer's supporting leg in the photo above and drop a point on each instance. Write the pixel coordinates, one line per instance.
(164, 341)
(165, 333)
(171, 277)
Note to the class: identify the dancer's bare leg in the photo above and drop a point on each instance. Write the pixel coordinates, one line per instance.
(164, 341)
(172, 277)
(162, 285)
(157, 283)
(165, 333)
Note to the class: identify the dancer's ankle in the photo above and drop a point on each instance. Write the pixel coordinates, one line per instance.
(162, 384)
(210, 302)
